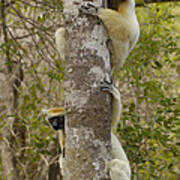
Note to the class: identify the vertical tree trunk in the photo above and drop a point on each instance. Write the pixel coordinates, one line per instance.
(7, 146)
(11, 76)
(88, 109)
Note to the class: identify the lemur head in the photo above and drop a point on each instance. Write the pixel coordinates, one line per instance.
(123, 4)
(55, 117)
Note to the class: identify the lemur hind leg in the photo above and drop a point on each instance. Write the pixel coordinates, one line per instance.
(119, 168)
(107, 85)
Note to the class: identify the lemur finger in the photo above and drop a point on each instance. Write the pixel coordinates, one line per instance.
(107, 80)
(83, 7)
(88, 9)
(92, 5)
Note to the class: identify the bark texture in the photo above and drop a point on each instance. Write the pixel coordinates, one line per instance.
(88, 109)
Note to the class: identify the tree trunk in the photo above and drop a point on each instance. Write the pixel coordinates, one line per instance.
(11, 76)
(8, 156)
(88, 110)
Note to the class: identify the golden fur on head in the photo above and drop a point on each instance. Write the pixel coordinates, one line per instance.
(53, 111)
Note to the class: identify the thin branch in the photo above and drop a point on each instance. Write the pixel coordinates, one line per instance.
(31, 22)
(5, 5)
(4, 30)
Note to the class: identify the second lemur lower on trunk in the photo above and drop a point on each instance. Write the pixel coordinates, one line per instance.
(119, 168)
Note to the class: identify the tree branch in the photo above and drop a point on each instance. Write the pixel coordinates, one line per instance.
(4, 30)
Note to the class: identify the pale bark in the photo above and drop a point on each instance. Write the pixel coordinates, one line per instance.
(88, 109)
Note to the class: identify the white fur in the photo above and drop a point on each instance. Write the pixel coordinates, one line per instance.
(60, 41)
(122, 27)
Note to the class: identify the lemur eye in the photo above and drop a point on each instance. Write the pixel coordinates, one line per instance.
(57, 122)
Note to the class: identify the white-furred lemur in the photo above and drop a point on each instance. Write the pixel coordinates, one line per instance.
(123, 30)
(122, 27)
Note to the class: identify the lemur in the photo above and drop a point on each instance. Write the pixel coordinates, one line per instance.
(122, 27)
(123, 30)
(119, 168)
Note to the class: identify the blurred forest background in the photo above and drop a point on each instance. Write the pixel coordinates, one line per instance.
(31, 78)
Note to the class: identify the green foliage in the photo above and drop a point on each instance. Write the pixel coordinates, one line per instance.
(29, 41)
(151, 111)
(148, 84)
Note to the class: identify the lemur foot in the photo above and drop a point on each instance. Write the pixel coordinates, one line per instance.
(119, 170)
(107, 85)
(89, 8)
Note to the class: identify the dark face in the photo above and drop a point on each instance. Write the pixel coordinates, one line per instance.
(57, 122)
